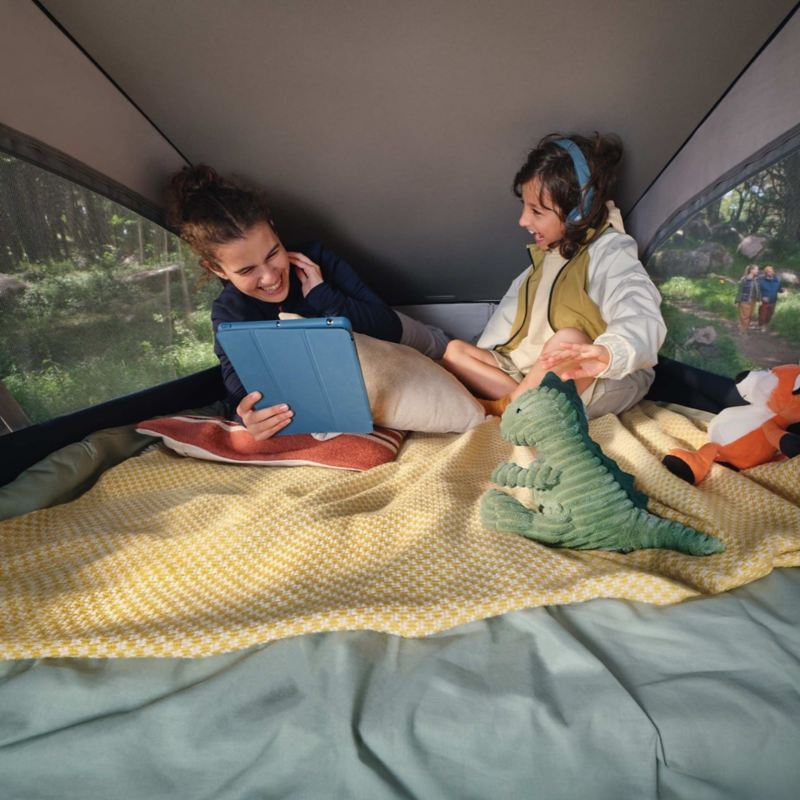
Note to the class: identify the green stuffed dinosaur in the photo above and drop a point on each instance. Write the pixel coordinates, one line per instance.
(585, 500)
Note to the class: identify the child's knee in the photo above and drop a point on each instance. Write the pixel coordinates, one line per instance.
(568, 335)
(565, 336)
(454, 351)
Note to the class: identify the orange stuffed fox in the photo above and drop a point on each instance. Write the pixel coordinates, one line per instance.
(745, 436)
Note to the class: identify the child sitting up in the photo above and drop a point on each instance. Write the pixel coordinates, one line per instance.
(586, 309)
(230, 227)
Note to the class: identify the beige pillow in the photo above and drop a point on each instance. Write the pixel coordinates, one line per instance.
(411, 392)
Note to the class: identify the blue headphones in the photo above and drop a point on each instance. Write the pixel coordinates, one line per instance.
(583, 173)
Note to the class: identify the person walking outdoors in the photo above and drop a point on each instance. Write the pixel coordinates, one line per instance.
(747, 296)
(769, 285)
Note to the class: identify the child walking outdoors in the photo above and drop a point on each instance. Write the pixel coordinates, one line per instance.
(230, 227)
(585, 308)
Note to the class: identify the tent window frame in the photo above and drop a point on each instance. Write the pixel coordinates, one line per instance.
(33, 151)
(14, 419)
(776, 150)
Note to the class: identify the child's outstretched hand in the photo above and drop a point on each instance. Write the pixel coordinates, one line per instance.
(589, 360)
(265, 422)
(307, 271)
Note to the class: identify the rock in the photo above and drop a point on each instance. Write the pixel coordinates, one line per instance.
(697, 229)
(668, 263)
(788, 277)
(11, 286)
(704, 336)
(689, 263)
(751, 246)
(718, 254)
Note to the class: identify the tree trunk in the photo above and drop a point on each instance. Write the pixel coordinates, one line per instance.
(791, 199)
(713, 212)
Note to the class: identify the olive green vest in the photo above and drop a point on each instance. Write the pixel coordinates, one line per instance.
(569, 306)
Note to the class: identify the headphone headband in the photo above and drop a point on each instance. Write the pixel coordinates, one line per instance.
(583, 173)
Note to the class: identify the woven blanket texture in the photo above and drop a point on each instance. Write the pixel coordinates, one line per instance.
(169, 556)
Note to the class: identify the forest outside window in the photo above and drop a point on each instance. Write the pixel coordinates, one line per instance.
(95, 301)
(717, 319)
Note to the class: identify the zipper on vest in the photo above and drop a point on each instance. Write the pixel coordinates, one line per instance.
(555, 281)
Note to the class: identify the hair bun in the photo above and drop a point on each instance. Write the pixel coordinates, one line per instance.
(186, 187)
(192, 180)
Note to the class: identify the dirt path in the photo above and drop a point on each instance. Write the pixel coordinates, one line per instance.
(764, 349)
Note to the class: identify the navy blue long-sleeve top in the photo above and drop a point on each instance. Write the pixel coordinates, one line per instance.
(341, 294)
(769, 288)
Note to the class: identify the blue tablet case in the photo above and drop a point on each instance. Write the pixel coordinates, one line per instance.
(310, 364)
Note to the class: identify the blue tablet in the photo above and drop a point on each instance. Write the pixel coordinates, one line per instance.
(309, 364)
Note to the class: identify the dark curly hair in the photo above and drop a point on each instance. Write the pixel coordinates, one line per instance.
(553, 166)
(207, 210)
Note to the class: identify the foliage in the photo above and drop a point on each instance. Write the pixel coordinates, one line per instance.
(786, 320)
(722, 357)
(55, 389)
(717, 295)
(83, 334)
(110, 304)
(46, 219)
(766, 204)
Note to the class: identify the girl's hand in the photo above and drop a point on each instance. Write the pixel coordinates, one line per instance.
(266, 422)
(589, 359)
(307, 271)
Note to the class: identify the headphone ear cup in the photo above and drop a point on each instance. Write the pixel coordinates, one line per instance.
(581, 210)
(583, 174)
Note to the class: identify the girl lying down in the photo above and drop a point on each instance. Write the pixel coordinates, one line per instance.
(230, 227)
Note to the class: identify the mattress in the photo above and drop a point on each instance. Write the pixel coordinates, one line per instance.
(612, 697)
(603, 699)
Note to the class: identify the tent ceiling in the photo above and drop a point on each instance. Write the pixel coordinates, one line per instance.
(392, 130)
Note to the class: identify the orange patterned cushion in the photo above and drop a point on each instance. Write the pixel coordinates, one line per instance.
(218, 439)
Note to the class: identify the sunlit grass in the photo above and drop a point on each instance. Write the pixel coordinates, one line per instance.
(722, 358)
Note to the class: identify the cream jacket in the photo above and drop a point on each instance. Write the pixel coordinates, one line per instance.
(628, 301)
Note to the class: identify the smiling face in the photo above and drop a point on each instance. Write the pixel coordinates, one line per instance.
(539, 216)
(257, 265)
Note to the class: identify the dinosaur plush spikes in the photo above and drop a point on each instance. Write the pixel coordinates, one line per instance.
(584, 500)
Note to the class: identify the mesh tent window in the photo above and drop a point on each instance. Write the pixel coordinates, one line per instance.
(97, 301)
(750, 218)
(25, 441)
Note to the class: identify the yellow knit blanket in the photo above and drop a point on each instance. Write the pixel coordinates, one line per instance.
(169, 556)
